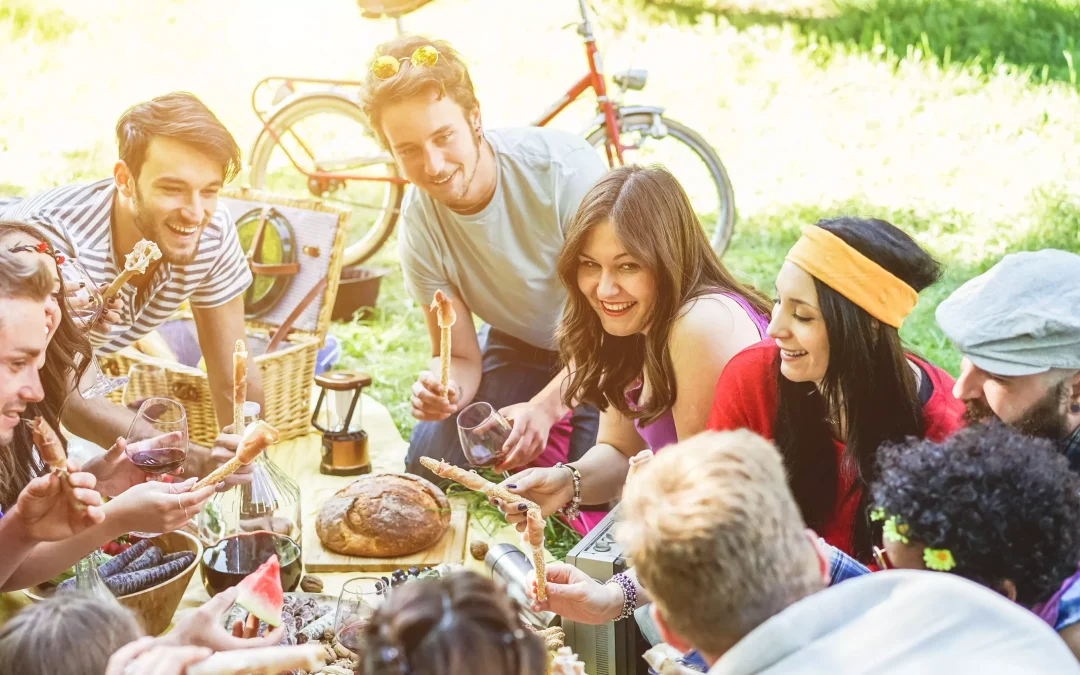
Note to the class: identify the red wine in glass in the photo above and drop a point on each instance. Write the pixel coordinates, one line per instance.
(352, 637)
(483, 433)
(157, 461)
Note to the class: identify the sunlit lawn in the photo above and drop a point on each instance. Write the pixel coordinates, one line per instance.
(957, 120)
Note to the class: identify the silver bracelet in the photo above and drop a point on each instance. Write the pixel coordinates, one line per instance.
(571, 511)
(623, 581)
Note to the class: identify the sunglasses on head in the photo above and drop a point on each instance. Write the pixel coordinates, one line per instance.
(387, 66)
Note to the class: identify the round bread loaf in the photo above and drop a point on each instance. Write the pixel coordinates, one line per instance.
(384, 515)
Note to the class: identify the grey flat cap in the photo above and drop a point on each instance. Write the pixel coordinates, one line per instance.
(1020, 317)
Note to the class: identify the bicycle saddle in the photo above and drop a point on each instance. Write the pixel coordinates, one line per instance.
(391, 9)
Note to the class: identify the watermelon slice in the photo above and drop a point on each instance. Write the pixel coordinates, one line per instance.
(260, 592)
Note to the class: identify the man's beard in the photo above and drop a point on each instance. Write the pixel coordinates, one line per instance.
(157, 233)
(467, 180)
(1045, 418)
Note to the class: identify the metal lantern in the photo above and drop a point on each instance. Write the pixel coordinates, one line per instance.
(338, 416)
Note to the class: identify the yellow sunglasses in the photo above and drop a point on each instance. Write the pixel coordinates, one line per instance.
(387, 66)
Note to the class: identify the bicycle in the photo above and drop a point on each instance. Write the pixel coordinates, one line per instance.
(367, 179)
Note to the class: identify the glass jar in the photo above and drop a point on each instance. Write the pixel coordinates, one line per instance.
(245, 525)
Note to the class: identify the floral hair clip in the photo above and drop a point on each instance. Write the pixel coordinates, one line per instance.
(891, 530)
(387, 66)
(938, 559)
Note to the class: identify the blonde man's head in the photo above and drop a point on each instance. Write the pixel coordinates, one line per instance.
(716, 537)
(447, 77)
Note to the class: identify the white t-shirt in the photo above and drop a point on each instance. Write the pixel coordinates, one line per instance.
(501, 261)
(898, 622)
(77, 220)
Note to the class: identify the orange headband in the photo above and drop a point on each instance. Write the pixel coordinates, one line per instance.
(828, 258)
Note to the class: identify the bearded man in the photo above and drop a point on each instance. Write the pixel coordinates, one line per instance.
(174, 158)
(1018, 328)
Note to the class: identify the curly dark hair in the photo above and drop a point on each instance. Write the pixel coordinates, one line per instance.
(1006, 505)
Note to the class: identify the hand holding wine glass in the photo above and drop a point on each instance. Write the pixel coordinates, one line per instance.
(483, 433)
(157, 440)
(86, 306)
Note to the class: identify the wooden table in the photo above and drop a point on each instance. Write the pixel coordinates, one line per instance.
(299, 457)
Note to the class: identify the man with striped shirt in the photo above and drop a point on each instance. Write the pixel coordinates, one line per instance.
(174, 158)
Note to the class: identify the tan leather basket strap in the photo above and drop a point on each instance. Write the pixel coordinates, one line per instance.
(283, 331)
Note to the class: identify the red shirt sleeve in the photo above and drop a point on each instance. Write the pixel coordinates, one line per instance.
(745, 395)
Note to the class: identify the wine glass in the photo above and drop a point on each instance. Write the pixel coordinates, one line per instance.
(357, 602)
(145, 380)
(85, 305)
(483, 432)
(157, 440)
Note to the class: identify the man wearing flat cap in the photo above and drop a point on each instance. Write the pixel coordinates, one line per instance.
(1018, 328)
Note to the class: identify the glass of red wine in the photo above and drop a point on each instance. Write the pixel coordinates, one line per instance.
(483, 433)
(157, 440)
(357, 602)
(145, 380)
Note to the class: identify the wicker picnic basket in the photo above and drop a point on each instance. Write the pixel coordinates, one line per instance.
(305, 305)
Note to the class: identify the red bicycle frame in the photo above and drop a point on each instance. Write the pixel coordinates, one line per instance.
(594, 80)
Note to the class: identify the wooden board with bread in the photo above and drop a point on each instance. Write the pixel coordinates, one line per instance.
(386, 521)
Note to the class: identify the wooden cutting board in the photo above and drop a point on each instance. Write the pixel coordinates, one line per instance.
(449, 549)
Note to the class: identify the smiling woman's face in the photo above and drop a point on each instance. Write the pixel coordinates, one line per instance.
(619, 288)
(14, 238)
(798, 327)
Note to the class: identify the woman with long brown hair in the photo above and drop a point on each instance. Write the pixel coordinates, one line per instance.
(65, 359)
(651, 319)
(138, 505)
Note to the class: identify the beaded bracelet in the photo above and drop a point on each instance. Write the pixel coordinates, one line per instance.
(629, 595)
(572, 510)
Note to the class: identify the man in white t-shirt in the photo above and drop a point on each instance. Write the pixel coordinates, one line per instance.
(485, 226)
(174, 157)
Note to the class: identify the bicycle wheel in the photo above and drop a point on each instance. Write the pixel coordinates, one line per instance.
(654, 139)
(330, 133)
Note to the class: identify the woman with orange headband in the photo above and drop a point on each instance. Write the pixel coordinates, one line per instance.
(834, 381)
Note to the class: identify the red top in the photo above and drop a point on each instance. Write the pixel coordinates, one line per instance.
(746, 399)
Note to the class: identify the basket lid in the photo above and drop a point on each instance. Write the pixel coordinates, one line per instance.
(303, 237)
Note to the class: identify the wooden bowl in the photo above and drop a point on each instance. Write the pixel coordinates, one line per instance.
(155, 606)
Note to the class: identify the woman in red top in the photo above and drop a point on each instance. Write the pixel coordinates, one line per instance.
(835, 381)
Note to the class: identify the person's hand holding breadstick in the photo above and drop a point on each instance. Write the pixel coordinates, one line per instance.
(447, 317)
(257, 438)
(240, 358)
(136, 262)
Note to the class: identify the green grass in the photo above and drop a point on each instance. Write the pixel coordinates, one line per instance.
(1038, 37)
(954, 119)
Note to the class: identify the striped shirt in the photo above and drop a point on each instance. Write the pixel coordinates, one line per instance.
(76, 218)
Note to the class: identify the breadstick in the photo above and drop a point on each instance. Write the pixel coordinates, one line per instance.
(256, 439)
(240, 357)
(53, 454)
(262, 661)
(473, 481)
(135, 262)
(447, 318)
(533, 538)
